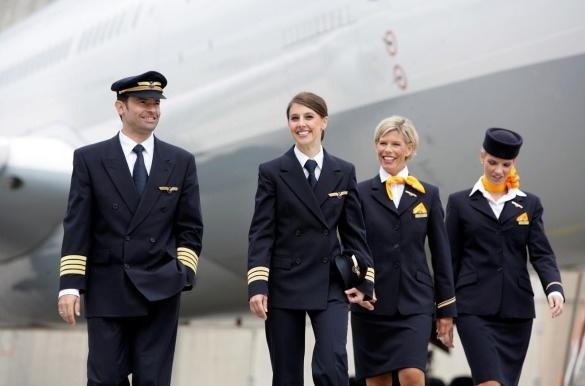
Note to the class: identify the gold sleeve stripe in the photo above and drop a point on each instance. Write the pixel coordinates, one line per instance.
(553, 283)
(189, 264)
(259, 274)
(75, 258)
(252, 278)
(255, 279)
(183, 250)
(370, 274)
(187, 257)
(72, 265)
(446, 302)
(72, 271)
(258, 269)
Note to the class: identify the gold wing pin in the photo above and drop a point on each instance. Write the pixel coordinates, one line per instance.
(338, 194)
(522, 219)
(420, 211)
(168, 189)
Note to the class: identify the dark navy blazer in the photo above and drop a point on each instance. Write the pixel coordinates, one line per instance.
(490, 254)
(121, 249)
(293, 236)
(396, 237)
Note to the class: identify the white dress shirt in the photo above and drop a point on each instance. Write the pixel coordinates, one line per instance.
(302, 158)
(397, 189)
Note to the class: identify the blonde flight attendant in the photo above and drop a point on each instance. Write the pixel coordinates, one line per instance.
(400, 214)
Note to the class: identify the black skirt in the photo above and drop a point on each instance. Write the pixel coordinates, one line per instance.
(383, 344)
(495, 347)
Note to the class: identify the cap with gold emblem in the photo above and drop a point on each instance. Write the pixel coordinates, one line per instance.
(147, 85)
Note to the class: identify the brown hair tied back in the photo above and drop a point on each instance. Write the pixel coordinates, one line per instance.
(310, 100)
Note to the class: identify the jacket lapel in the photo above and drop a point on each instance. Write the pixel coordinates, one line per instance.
(328, 180)
(117, 168)
(409, 197)
(160, 171)
(479, 203)
(293, 176)
(380, 195)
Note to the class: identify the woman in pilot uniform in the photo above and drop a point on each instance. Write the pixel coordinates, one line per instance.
(304, 200)
(494, 228)
(400, 213)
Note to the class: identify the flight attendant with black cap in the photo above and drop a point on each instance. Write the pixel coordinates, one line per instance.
(402, 213)
(293, 243)
(132, 237)
(494, 229)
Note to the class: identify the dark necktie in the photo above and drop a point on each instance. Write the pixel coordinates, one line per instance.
(139, 174)
(310, 165)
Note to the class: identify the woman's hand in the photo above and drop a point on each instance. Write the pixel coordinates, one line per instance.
(259, 306)
(356, 296)
(445, 331)
(555, 303)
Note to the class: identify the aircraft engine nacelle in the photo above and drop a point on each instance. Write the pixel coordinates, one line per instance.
(34, 182)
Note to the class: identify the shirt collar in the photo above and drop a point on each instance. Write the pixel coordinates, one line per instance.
(302, 157)
(128, 144)
(508, 196)
(384, 175)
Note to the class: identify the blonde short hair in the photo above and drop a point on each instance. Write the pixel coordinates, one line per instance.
(404, 126)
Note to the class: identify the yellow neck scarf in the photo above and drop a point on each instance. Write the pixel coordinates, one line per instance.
(410, 180)
(511, 182)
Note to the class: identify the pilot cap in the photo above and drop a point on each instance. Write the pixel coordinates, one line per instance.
(502, 143)
(147, 85)
(350, 268)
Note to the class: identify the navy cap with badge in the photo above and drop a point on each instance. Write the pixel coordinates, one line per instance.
(147, 85)
(350, 268)
(502, 143)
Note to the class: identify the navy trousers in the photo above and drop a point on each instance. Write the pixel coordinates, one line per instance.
(285, 335)
(143, 346)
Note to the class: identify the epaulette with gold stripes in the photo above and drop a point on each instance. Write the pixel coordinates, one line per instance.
(188, 257)
(73, 265)
(258, 273)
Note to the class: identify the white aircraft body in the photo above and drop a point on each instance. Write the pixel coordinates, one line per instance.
(455, 67)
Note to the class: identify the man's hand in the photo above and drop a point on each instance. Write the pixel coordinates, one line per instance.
(69, 307)
(259, 305)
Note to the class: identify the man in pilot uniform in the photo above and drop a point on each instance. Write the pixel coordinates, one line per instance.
(132, 239)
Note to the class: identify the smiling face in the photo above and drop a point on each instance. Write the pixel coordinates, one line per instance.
(496, 169)
(306, 127)
(139, 116)
(393, 152)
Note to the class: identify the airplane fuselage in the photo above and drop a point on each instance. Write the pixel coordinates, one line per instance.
(454, 68)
